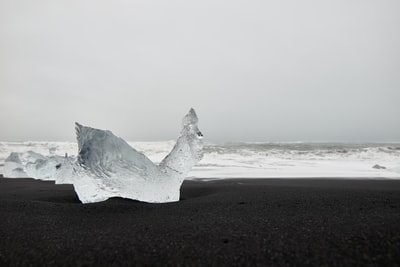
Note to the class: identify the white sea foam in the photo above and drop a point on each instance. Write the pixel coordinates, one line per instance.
(265, 160)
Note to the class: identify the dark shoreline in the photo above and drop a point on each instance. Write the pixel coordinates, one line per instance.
(277, 222)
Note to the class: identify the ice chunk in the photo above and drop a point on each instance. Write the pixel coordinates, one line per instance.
(13, 167)
(44, 169)
(31, 164)
(107, 166)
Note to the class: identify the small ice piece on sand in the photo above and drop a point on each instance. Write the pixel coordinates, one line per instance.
(13, 167)
(32, 165)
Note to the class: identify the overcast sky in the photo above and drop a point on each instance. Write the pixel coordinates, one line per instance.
(253, 70)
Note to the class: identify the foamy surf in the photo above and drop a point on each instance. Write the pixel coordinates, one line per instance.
(257, 160)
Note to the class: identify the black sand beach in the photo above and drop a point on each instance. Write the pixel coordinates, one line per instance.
(287, 222)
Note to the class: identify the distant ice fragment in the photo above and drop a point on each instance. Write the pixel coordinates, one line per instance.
(107, 166)
(379, 167)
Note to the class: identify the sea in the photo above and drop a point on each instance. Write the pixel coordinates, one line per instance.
(258, 160)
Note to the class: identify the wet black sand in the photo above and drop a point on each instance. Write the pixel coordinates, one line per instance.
(262, 222)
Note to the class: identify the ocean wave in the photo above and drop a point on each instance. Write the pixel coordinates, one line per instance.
(293, 159)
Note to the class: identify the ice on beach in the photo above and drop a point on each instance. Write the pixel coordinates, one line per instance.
(107, 166)
(31, 164)
(13, 166)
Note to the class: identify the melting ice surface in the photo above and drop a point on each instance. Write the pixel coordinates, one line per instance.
(107, 166)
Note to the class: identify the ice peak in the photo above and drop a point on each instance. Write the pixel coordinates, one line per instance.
(190, 118)
(188, 149)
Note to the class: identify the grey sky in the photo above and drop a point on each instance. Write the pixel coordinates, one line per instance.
(253, 70)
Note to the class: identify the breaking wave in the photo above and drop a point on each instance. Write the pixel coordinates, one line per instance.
(232, 160)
